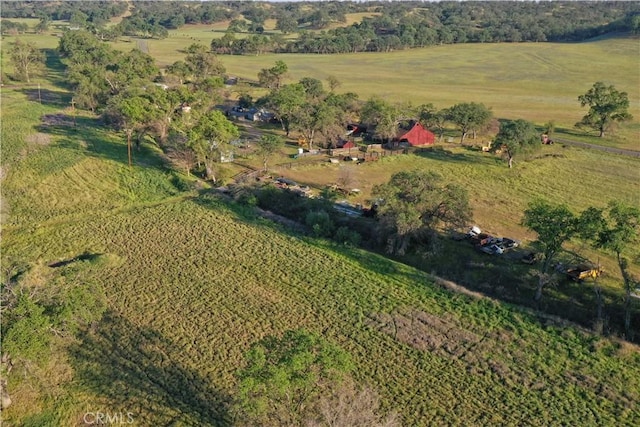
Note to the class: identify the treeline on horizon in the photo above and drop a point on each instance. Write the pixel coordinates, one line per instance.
(391, 26)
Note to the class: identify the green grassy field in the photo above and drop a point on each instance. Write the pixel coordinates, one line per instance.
(534, 81)
(192, 281)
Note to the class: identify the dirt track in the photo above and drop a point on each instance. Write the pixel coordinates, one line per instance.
(632, 153)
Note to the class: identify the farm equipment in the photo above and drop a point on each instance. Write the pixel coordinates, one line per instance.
(583, 271)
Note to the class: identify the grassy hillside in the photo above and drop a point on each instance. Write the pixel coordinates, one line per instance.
(191, 282)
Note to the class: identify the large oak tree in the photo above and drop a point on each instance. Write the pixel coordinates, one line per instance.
(607, 106)
(414, 205)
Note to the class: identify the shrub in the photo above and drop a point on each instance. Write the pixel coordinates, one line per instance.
(347, 237)
(320, 222)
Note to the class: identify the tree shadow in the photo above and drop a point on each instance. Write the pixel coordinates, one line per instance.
(94, 138)
(54, 98)
(55, 68)
(137, 370)
(442, 154)
(86, 256)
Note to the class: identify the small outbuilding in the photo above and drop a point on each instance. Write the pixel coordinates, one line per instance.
(346, 144)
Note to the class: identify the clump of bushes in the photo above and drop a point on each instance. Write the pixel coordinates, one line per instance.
(317, 214)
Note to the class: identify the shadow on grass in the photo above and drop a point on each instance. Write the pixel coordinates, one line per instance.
(138, 371)
(82, 257)
(54, 98)
(442, 154)
(94, 138)
(55, 68)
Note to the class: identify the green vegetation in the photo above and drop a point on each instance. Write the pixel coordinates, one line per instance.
(285, 375)
(27, 60)
(606, 107)
(516, 137)
(414, 205)
(137, 293)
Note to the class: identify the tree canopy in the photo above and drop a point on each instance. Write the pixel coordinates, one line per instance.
(283, 377)
(27, 59)
(468, 117)
(607, 106)
(515, 137)
(555, 225)
(413, 205)
(617, 230)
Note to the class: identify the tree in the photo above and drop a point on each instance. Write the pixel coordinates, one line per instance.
(590, 224)
(555, 224)
(469, 117)
(237, 25)
(287, 23)
(180, 69)
(284, 377)
(26, 59)
(128, 69)
(43, 24)
(314, 116)
(432, 118)
(202, 62)
(271, 78)
(78, 19)
(381, 115)
(515, 137)
(333, 83)
(133, 113)
(619, 232)
(285, 102)
(267, 146)
(209, 139)
(413, 205)
(606, 106)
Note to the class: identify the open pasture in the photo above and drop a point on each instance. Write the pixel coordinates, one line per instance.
(534, 81)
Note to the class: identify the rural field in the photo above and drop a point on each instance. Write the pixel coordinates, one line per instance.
(535, 81)
(189, 281)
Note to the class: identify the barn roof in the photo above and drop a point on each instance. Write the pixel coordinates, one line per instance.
(416, 135)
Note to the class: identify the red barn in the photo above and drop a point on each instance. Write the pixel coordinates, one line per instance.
(416, 136)
(346, 144)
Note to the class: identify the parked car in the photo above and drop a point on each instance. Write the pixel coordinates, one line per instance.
(492, 249)
(507, 243)
(530, 258)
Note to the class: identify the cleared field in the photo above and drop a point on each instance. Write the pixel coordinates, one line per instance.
(537, 82)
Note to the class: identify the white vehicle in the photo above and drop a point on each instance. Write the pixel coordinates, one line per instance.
(492, 249)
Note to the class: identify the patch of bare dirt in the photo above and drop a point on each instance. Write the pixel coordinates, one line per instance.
(38, 139)
(447, 337)
(57, 119)
(427, 332)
